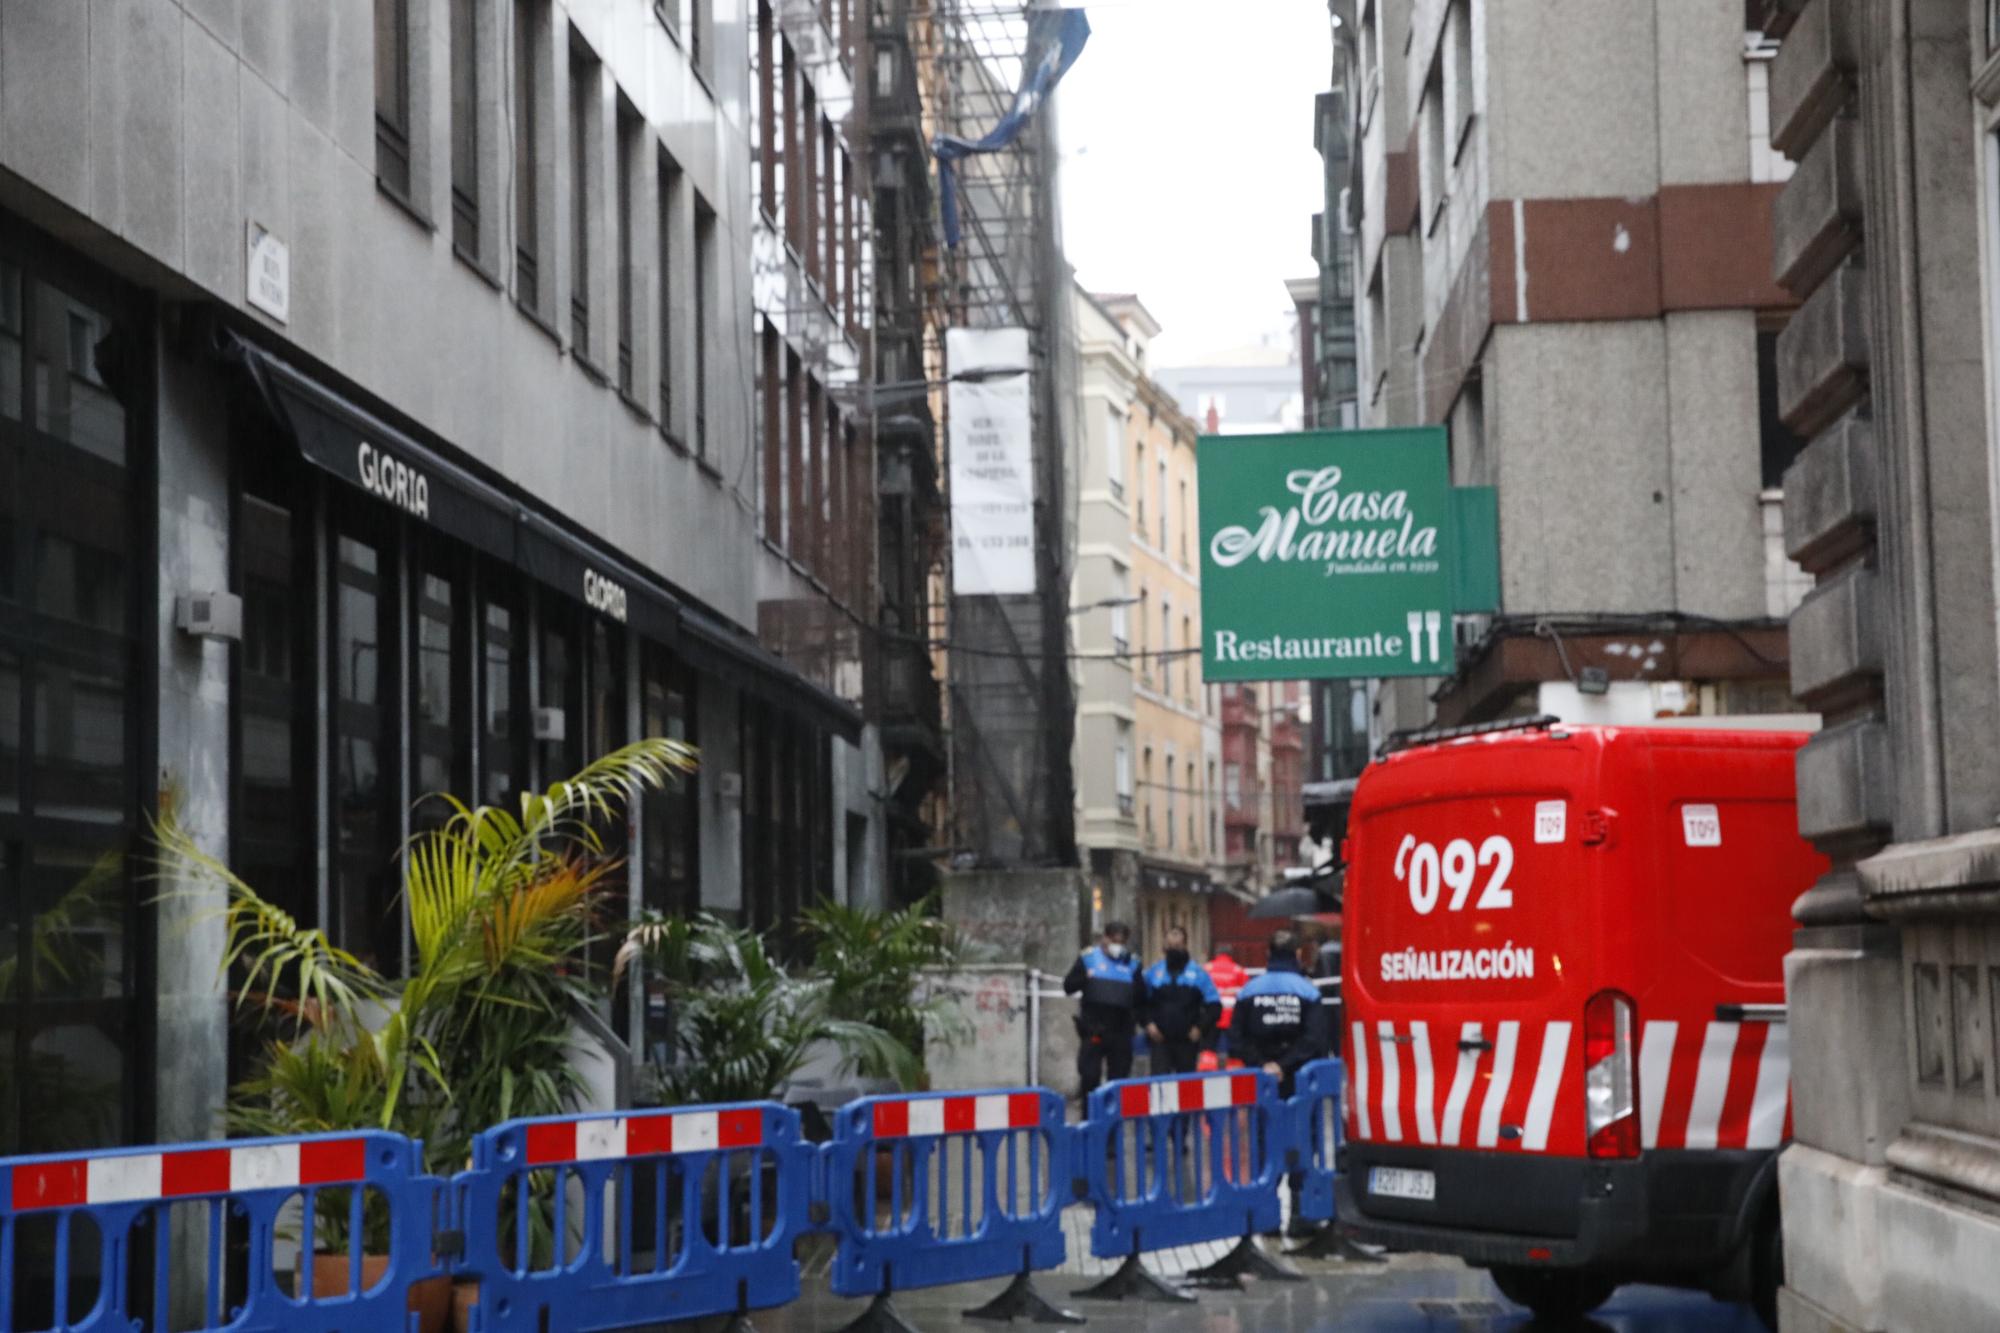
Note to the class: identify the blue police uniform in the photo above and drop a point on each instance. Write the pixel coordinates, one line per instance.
(1113, 991)
(1179, 1000)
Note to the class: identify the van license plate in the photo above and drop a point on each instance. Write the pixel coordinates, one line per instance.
(1395, 1182)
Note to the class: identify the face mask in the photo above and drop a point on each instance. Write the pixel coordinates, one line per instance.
(1114, 950)
(1177, 959)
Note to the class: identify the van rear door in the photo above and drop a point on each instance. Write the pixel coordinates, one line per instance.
(1472, 940)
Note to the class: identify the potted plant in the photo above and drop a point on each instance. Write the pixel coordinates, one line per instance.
(741, 1026)
(502, 904)
(875, 964)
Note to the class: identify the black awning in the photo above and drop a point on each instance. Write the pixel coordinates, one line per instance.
(346, 440)
(722, 650)
(341, 437)
(605, 583)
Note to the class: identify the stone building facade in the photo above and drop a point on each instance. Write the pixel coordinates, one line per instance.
(1886, 234)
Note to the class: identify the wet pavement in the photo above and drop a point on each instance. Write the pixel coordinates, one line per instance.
(1409, 1294)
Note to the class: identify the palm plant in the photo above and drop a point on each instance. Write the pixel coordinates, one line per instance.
(875, 964)
(502, 905)
(742, 1025)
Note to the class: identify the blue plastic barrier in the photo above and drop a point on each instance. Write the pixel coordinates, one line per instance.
(1182, 1159)
(576, 1223)
(90, 1236)
(1316, 1107)
(929, 1190)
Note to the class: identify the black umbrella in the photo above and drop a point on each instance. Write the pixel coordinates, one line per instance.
(1298, 900)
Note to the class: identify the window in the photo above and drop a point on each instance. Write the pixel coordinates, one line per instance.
(1214, 813)
(367, 801)
(769, 137)
(1170, 800)
(503, 742)
(1193, 794)
(631, 150)
(1435, 161)
(583, 103)
(1460, 38)
(699, 21)
(1114, 452)
(1167, 659)
(705, 277)
(828, 237)
(771, 436)
(73, 933)
(1376, 354)
(669, 213)
(1145, 658)
(1139, 511)
(464, 127)
(1183, 518)
(1119, 596)
(1164, 539)
(1121, 762)
(672, 824)
(1371, 62)
(1187, 668)
(1777, 444)
(527, 155)
(1146, 780)
(392, 96)
(440, 702)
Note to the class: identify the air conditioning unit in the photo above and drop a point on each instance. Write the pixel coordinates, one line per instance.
(1468, 630)
(210, 615)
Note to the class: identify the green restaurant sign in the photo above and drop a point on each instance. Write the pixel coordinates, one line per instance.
(1329, 553)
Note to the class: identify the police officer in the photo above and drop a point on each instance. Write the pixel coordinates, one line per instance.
(1182, 1007)
(1114, 991)
(1280, 1025)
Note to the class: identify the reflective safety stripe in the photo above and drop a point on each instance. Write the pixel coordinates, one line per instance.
(1773, 1095)
(1420, 1047)
(1496, 1088)
(188, 1173)
(1711, 1085)
(1392, 1111)
(553, 1143)
(1548, 1078)
(1461, 1084)
(1656, 1062)
(1358, 1048)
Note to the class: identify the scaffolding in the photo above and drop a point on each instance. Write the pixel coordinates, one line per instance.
(1010, 695)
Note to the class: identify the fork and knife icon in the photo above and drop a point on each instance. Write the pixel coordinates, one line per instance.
(1425, 626)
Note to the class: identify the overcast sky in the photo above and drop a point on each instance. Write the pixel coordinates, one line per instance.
(1189, 174)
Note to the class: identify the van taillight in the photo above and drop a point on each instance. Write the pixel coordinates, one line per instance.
(1610, 1078)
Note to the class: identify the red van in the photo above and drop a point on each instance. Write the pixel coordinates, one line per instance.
(1564, 974)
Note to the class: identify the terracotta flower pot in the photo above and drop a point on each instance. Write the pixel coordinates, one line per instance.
(430, 1298)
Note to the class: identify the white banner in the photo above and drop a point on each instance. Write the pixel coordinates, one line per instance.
(992, 463)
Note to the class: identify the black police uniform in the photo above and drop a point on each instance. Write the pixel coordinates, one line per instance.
(1280, 1020)
(1113, 991)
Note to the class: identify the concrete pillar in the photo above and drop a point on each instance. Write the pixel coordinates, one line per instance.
(194, 782)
